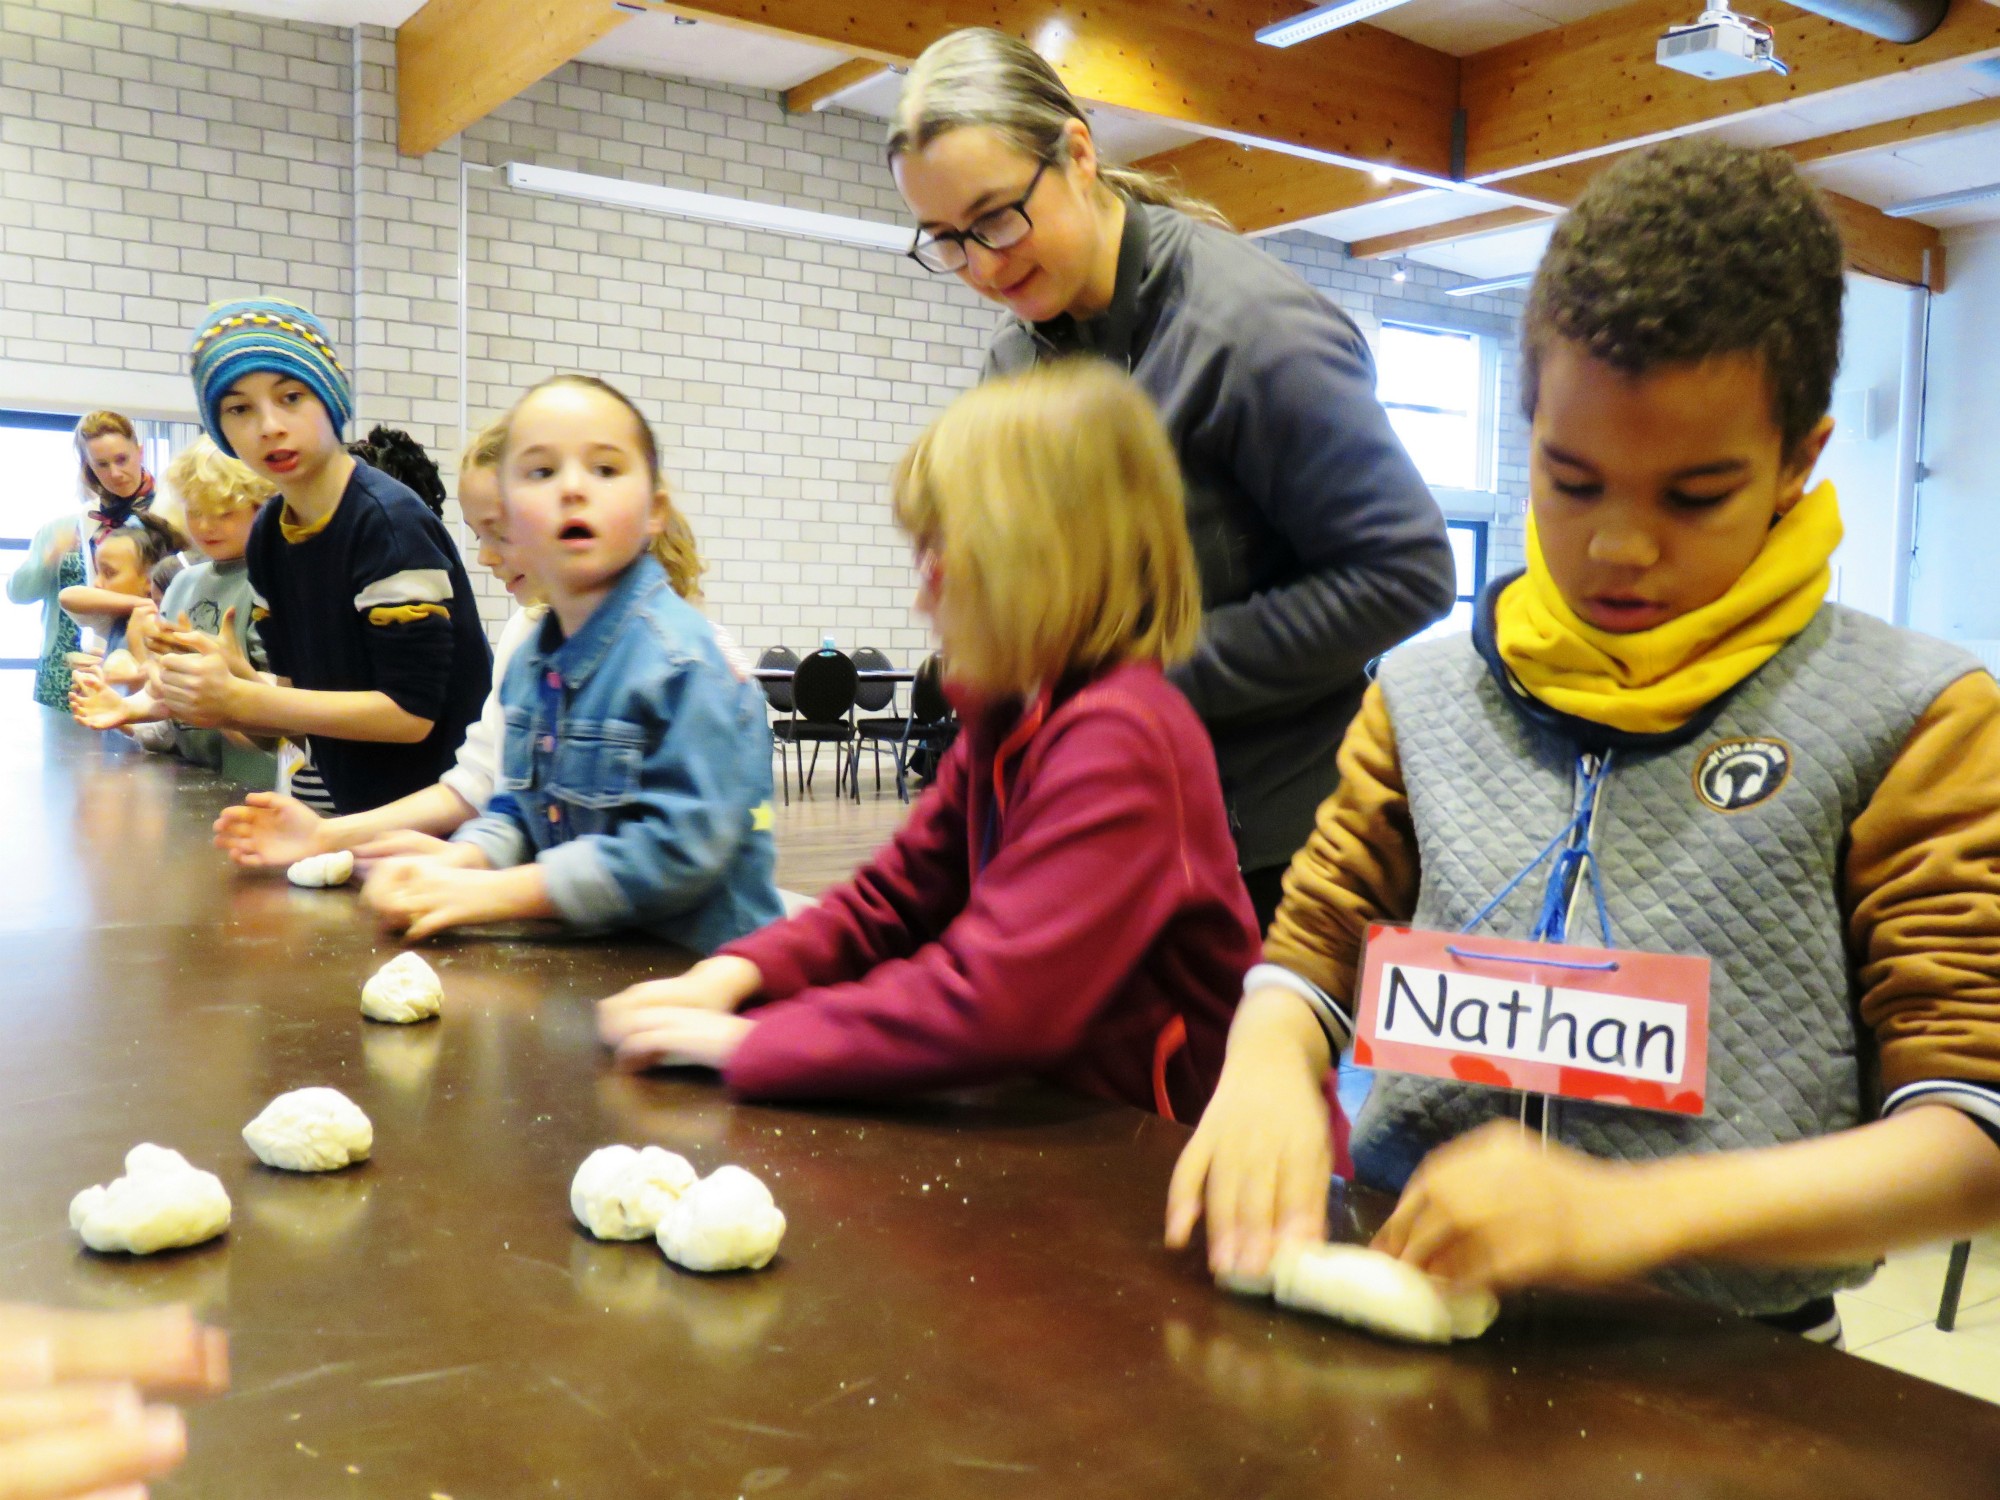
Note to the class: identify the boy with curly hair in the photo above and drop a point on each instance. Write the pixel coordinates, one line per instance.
(1680, 348)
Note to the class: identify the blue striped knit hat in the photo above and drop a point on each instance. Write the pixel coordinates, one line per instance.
(255, 334)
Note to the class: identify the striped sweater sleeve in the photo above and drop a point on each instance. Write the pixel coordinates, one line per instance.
(1923, 908)
(1358, 866)
(402, 591)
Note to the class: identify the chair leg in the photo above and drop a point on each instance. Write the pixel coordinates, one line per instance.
(1954, 1285)
(813, 774)
(785, 772)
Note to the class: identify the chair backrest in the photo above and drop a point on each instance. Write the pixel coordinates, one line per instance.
(778, 694)
(823, 687)
(928, 704)
(872, 697)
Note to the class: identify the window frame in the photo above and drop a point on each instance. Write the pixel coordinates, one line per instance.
(1485, 416)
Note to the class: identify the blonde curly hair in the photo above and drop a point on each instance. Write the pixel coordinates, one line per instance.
(210, 482)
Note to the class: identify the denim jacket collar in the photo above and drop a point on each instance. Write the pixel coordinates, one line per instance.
(576, 658)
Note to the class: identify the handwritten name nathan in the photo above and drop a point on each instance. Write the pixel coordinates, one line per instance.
(1536, 1023)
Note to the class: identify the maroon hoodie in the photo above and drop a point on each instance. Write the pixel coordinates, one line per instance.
(1064, 902)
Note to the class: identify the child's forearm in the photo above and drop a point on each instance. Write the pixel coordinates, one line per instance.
(273, 709)
(1923, 1175)
(519, 893)
(83, 598)
(436, 810)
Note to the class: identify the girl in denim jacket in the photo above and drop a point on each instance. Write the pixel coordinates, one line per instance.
(635, 771)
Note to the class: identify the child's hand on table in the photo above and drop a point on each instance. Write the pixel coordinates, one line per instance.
(1493, 1209)
(269, 831)
(1261, 1160)
(424, 896)
(72, 1417)
(684, 1020)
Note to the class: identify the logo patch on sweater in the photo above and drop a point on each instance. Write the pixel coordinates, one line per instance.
(1739, 774)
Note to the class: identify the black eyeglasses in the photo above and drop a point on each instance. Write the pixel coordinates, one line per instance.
(997, 229)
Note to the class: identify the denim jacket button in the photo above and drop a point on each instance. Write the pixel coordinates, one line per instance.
(555, 814)
(548, 743)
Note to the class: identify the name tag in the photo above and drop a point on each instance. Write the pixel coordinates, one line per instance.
(1602, 1024)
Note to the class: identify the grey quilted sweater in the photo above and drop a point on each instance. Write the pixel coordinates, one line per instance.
(1700, 852)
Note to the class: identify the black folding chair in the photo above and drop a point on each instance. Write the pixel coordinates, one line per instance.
(880, 732)
(822, 710)
(931, 727)
(779, 696)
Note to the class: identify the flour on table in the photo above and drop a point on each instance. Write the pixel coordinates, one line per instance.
(310, 1130)
(1353, 1284)
(622, 1194)
(318, 870)
(404, 989)
(161, 1203)
(725, 1222)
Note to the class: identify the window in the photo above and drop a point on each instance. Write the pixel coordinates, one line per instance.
(39, 460)
(1468, 555)
(38, 456)
(1439, 389)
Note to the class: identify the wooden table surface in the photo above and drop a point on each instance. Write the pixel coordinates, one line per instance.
(971, 1300)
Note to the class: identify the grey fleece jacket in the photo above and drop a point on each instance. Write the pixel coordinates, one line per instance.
(1319, 544)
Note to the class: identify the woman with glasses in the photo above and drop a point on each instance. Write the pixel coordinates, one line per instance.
(1318, 544)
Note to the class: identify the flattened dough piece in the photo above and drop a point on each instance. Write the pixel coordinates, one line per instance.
(161, 1203)
(725, 1222)
(1371, 1290)
(317, 870)
(310, 1130)
(405, 989)
(622, 1194)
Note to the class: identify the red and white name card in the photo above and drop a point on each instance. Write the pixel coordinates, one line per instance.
(1602, 1024)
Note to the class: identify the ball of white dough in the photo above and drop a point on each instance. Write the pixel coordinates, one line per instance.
(622, 1194)
(322, 869)
(310, 1130)
(404, 989)
(725, 1222)
(1371, 1290)
(161, 1203)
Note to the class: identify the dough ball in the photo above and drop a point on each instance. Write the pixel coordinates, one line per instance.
(161, 1203)
(1380, 1293)
(404, 989)
(725, 1222)
(622, 1194)
(310, 1130)
(322, 869)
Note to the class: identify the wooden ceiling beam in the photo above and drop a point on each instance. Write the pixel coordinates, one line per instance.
(1259, 190)
(1477, 226)
(820, 91)
(1357, 96)
(459, 60)
(1593, 87)
(1936, 125)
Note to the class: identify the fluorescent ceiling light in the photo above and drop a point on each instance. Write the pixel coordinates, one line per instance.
(708, 208)
(1943, 201)
(1320, 20)
(1497, 284)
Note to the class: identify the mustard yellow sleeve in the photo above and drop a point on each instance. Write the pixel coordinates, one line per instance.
(1923, 900)
(1359, 866)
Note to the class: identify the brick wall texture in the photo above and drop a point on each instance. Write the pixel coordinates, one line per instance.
(156, 158)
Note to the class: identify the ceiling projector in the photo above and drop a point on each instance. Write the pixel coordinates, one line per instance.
(1719, 44)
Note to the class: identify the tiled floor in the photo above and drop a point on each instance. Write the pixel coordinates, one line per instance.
(1892, 1320)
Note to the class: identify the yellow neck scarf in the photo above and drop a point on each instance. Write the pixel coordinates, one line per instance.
(1654, 681)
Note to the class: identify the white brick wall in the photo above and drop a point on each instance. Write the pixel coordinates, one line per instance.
(155, 158)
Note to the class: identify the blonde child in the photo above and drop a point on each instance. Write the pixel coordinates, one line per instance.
(207, 607)
(378, 658)
(1064, 902)
(1745, 770)
(635, 769)
(272, 830)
